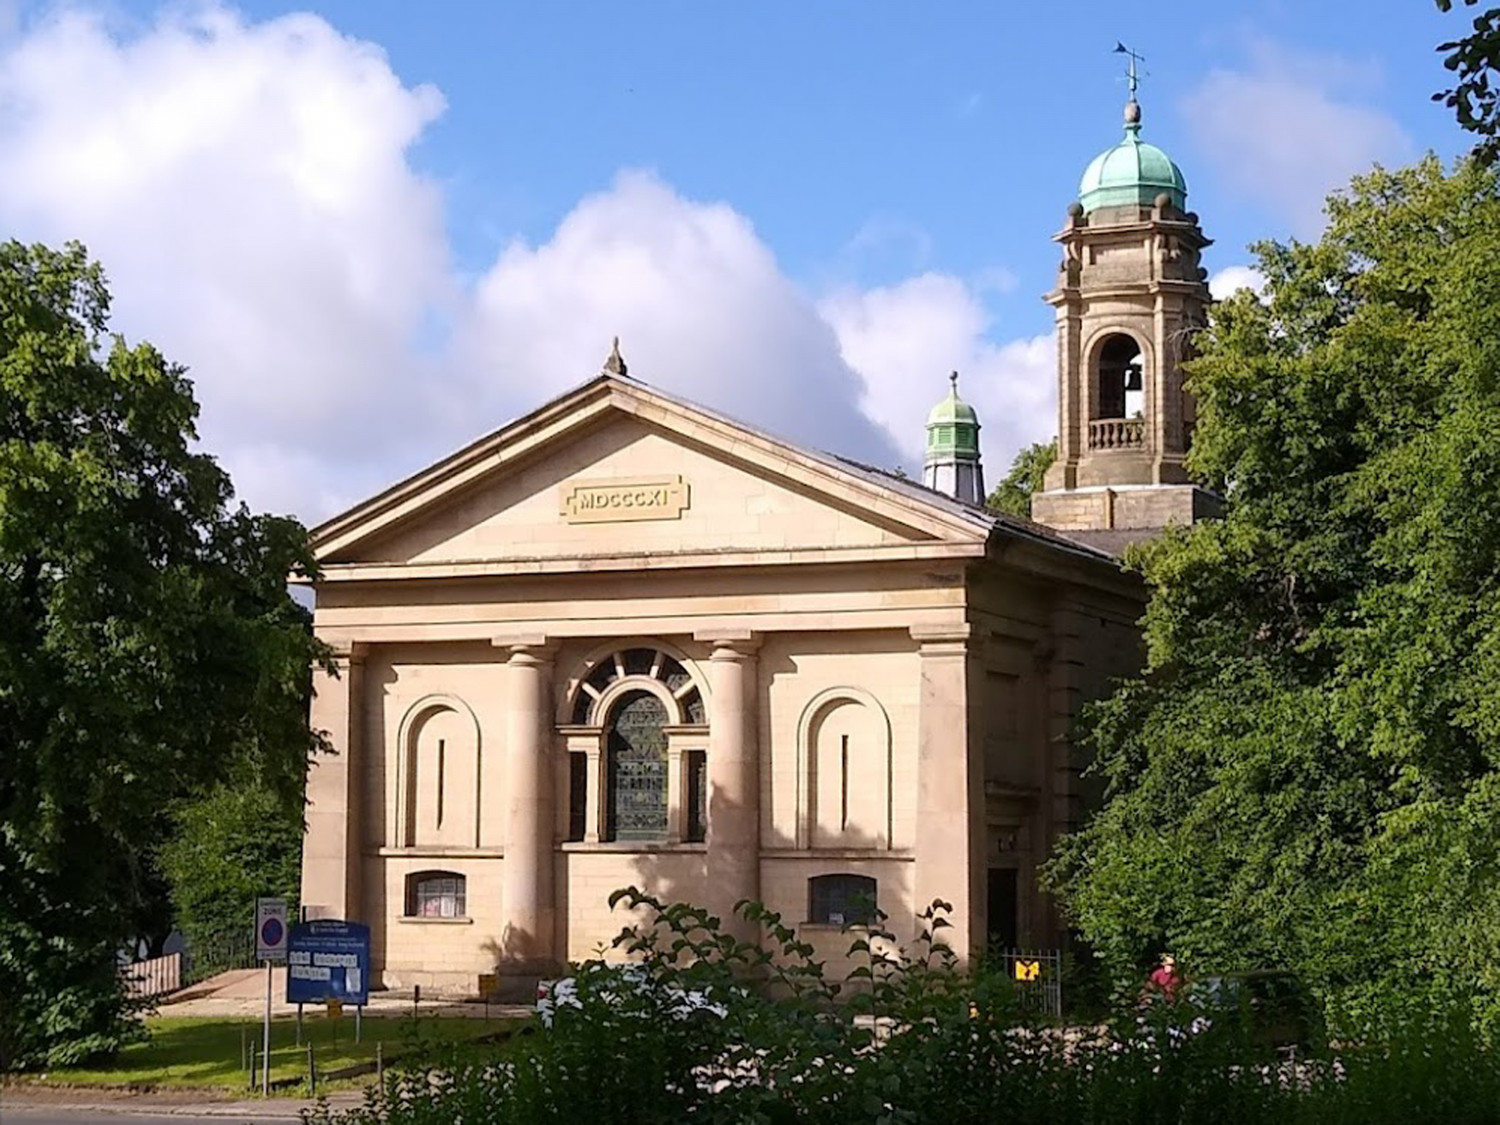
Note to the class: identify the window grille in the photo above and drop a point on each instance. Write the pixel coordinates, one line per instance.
(435, 894)
(841, 900)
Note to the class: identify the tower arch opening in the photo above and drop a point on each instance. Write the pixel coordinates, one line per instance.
(1121, 378)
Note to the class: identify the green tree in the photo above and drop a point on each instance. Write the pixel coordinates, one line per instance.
(148, 646)
(1308, 773)
(227, 847)
(1013, 494)
(1475, 95)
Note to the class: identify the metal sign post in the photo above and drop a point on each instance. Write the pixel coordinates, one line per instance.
(265, 1071)
(270, 946)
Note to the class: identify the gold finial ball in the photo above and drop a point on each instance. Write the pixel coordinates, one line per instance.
(1132, 112)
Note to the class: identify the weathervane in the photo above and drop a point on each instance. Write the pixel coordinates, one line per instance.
(1132, 76)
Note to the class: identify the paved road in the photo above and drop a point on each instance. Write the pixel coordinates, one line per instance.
(148, 1110)
(53, 1115)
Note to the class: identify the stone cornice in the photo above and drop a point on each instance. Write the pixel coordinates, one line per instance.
(657, 560)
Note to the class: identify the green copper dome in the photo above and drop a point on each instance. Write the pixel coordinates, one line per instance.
(1131, 173)
(952, 426)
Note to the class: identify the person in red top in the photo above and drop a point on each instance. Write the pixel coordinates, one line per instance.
(1165, 980)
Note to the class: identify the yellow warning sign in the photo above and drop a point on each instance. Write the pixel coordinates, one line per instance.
(1028, 970)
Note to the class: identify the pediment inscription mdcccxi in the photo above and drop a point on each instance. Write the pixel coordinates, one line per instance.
(621, 500)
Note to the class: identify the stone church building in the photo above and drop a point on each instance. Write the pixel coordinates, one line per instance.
(627, 640)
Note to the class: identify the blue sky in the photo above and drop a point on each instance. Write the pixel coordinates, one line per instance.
(375, 229)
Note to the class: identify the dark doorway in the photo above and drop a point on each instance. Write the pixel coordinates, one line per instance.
(1004, 913)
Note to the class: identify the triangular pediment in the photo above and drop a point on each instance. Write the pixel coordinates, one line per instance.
(617, 469)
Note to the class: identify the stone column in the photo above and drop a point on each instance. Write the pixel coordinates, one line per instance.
(331, 847)
(593, 818)
(676, 794)
(950, 788)
(526, 945)
(733, 777)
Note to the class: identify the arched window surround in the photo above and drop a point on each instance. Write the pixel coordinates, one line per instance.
(1094, 352)
(584, 714)
(568, 703)
(819, 704)
(410, 726)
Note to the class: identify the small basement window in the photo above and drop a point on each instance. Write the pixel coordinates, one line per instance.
(841, 900)
(435, 894)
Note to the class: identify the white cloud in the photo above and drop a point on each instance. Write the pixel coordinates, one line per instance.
(1286, 129)
(247, 189)
(250, 190)
(905, 339)
(699, 303)
(1232, 278)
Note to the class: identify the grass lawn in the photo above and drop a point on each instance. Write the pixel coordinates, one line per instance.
(204, 1052)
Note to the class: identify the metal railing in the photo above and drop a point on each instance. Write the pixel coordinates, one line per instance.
(227, 951)
(1037, 976)
(1117, 433)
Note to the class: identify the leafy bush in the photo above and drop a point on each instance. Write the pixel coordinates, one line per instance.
(907, 1038)
(228, 847)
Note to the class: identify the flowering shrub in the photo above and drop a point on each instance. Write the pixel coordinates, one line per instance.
(906, 1037)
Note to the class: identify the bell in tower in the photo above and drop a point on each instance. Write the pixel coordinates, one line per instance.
(1130, 294)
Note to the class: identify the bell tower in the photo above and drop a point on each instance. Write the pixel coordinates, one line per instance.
(1130, 294)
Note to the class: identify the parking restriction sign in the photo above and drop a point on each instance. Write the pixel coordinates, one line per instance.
(270, 929)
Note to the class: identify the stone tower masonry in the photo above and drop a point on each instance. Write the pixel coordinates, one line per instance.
(1130, 294)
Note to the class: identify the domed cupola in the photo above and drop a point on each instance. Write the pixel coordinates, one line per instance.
(952, 463)
(1132, 173)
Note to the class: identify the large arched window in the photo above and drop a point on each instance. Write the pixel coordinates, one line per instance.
(660, 666)
(637, 768)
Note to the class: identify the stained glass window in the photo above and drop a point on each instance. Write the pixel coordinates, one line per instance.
(637, 746)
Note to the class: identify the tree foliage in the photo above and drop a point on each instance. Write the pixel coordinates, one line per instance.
(147, 643)
(1309, 772)
(1013, 494)
(1475, 95)
(240, 841)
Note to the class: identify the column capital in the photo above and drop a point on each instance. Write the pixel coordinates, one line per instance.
(526, 648)
(729, 644)
(345, 653)
(942, 639)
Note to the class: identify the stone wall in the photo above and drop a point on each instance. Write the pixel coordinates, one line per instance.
(1098, 509)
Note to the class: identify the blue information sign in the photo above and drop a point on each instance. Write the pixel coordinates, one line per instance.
(328, 960)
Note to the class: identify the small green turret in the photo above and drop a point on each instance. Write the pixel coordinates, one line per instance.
(952, 463)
